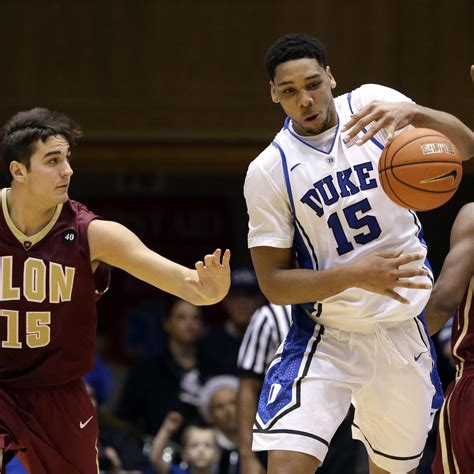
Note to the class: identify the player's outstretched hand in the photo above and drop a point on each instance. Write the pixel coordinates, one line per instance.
(212, 281)
(382, 273)
(390, 116)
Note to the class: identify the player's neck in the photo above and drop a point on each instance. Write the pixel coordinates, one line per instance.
(28, 215)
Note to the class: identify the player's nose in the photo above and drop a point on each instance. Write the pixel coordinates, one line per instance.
(66, 169)
(305, 99)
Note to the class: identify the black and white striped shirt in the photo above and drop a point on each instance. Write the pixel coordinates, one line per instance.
(267, 329)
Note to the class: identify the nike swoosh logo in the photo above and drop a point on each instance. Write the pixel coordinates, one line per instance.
(419, 355)
(450, 175)
(83, 425)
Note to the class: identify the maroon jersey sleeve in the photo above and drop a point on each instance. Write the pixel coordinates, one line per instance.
(47, 302)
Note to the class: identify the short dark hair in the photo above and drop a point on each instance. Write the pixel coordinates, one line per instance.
(24, 129)
(294, 46)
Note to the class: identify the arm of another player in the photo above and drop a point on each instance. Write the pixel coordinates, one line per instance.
(377, 272)
(116, 245)
(457, 270)
(249, 391)
(393, 116)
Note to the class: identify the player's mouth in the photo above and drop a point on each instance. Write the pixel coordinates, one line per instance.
(310, 119)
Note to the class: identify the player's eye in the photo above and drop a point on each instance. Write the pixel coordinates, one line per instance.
(288, 91)
(314, 85)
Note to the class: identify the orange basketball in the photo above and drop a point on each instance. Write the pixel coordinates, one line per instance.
(420, 169)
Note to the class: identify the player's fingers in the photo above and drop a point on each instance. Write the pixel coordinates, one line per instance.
(413, 257)
(411, 272)
(226, 258)
(199, 266)
(217, 254)
(391, 254)
(390, 133)
(209, 260)
(412, 284)
(393, 294)
(357, 128)
(357, 116)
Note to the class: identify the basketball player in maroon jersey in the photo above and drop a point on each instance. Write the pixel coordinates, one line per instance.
(49, 249)
(453, 293)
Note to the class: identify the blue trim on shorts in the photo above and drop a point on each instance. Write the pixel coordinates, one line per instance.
(438, 397)
(283, 375)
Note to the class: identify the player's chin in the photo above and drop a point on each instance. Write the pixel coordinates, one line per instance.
(63, 197)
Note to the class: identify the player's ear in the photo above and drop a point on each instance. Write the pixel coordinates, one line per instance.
(18, 171)
(273, 93)
(332, 81)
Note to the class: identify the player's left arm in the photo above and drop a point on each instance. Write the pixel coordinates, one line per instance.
(393, 116)
(457, 270)
(118, 246)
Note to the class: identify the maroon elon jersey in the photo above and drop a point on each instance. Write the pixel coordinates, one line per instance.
(47, 300)
(462, 339)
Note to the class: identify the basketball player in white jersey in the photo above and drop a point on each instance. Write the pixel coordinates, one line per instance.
(363, 278)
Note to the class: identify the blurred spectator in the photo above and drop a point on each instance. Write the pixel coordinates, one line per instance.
(218, 406)
(200, 452)
(243, 299)
(171, 380)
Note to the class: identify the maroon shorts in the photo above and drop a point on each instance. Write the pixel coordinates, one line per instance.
(53, 430)
(455, 445)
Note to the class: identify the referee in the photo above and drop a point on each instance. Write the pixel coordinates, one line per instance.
(267, 329)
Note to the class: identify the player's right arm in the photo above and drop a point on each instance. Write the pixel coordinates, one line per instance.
(378, 273)
(114, 244)
(458, 268)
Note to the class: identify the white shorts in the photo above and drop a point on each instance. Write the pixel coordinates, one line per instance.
(319, 371)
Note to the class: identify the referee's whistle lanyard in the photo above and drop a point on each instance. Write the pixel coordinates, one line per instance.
(391, 351)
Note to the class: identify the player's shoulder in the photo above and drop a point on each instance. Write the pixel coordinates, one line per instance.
(77, 207)
(367, 93)
(75, 211)
(266, 160)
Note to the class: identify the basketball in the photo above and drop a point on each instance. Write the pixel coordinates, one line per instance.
(420, 169)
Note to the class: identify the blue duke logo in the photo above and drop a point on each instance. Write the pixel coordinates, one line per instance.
(274, 391)
(329, 190)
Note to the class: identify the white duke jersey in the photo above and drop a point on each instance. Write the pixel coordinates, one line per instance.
(324, 198)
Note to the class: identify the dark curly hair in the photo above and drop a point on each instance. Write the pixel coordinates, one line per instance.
(20, 134)
(294, 46)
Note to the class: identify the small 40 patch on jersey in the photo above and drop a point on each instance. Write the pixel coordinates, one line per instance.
(69, 237)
